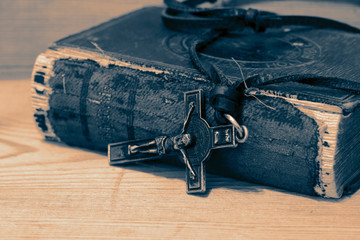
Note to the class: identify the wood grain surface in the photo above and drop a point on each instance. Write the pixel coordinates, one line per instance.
(53, 191)
(28, 27)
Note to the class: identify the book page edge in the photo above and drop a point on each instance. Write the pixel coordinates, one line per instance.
(327, 118)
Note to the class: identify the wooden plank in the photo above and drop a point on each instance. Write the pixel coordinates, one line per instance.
(53, 191)
(29, 27)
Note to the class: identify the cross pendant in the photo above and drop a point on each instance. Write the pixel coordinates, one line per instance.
(195, 143)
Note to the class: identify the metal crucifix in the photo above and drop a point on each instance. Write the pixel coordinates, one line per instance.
(195, 143)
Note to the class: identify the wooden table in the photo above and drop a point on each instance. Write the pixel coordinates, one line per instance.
(53, 191)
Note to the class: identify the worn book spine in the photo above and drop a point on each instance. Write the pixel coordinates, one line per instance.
(90, 99)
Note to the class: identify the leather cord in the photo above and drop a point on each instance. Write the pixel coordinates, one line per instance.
(211, 24)
(330, 82)
(186, 17)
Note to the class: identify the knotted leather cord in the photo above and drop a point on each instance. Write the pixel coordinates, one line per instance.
(214, 23)
(187, 17)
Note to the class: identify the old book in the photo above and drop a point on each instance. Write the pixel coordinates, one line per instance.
(125, 79)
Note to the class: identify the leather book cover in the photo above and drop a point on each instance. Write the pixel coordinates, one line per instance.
(125, 79)
(143, 38)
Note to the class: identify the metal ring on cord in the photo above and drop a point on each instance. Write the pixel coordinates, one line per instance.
(241, 130)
